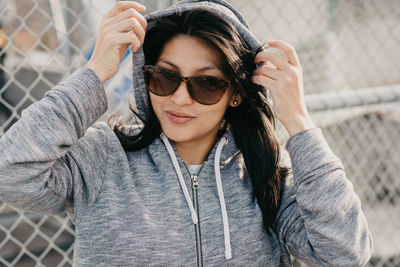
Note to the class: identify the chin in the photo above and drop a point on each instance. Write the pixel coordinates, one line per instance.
(178, 135)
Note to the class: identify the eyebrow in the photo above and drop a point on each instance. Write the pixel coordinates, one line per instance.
(210, 67)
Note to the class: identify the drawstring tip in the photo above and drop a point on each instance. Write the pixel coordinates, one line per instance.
(228, 254)
(194, 219)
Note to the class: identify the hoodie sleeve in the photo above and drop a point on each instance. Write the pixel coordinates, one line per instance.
(320, 220)
(42, 165)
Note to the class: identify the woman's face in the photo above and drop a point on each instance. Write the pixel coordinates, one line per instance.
(182, 119)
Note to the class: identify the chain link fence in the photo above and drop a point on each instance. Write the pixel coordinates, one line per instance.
(349, 53)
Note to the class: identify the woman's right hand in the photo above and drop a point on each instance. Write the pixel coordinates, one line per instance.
(123, 26)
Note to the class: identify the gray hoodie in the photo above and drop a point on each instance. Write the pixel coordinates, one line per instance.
(135, 208)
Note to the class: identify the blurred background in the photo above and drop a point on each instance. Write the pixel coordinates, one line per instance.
(349, 50)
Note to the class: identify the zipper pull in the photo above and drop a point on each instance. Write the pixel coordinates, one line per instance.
(195, 182)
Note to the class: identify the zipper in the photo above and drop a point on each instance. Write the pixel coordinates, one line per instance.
(195, 185)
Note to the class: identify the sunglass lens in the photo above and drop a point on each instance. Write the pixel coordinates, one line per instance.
(207, 90)
(160, 82)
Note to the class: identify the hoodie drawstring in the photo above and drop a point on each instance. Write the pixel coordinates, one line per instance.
(228, 251)
(180, 176)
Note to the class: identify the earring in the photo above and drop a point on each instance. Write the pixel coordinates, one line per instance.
(235, 102)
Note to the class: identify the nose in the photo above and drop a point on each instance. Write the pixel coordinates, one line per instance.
(181, 96)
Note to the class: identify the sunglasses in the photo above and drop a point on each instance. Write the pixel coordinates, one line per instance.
(204, 89)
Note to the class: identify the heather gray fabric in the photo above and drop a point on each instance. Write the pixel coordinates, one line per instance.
(128, 207)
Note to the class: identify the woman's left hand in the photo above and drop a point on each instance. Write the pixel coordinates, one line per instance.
(284, 80)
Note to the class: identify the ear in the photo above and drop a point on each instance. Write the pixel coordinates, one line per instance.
(236, 100)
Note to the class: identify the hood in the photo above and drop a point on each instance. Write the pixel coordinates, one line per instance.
(220, 7)
(141, 95)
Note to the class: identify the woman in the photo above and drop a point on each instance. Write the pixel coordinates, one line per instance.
(200, 182)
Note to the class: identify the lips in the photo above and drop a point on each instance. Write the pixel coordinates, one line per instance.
(178, 117)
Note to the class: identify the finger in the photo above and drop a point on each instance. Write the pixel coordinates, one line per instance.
(141, 20)
(273, 57)
(124, 5)
(139, 31)
(264, 81)
(269, 65)
(123, 26)
(128, 38)
(268, 72)
(287, 49)
(129, 24)
(128, 14)
(135, 46)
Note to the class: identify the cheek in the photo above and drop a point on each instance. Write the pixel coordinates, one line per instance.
(216, 112)
(211, 117)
